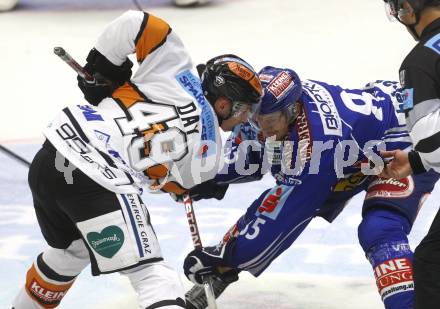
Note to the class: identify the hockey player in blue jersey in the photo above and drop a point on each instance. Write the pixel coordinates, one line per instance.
(321, 144)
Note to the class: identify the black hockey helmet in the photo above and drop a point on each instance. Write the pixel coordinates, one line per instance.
(230, 76)
(418, 5)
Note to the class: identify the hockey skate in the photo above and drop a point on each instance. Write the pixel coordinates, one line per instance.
(196, 297)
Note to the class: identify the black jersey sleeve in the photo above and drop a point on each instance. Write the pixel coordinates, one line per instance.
(419, 76)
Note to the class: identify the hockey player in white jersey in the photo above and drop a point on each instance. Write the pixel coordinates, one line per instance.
(155, 130)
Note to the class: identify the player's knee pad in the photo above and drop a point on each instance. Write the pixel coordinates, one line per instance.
(382, 235)
(157, 286)
(70, 261)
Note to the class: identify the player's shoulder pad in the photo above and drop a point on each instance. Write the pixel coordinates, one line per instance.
(424, 55)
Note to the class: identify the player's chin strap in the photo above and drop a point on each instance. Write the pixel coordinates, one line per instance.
(197, 242)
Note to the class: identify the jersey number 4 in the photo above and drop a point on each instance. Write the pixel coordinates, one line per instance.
(154, 141)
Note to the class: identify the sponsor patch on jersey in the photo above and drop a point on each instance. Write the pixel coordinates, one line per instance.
(104, 137)
(394, 276)
(107, 242)
(434, 43)
(281, 84)
(350, 183)
(192, 86)
(331, 121)
(288, 180)
(121, 238)
(408, 98)
(304, 136)
(89, 113)
(390, 188)
(274, 201)
(230, 234)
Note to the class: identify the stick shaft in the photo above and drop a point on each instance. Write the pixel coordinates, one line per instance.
(191, 217)
(15, 156)
(60, 52)
(197, 242)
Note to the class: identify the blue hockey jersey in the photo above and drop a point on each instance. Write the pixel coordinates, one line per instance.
(337, 132)
(330, 118)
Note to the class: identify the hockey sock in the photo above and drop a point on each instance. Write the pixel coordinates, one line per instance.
(44, 287)
(393, 270)
(157, 286)
(382, 235)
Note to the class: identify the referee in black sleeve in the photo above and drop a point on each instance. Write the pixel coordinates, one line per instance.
(420, 78)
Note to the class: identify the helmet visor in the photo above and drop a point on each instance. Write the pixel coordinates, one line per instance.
(239, 107)
(391, 10)
(269, 120)
(394, 10)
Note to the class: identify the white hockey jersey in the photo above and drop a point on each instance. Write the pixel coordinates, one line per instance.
(158, 128)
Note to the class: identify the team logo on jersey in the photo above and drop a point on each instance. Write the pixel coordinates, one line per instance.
(390, 188)
(108, 242)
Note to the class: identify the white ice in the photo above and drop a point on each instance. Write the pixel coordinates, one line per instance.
(348, 42)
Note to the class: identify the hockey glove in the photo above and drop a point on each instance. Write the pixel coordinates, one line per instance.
(98, 90)
(200, 69)
(208, 189)
(107, 76)
(208, 261)
(205, 190)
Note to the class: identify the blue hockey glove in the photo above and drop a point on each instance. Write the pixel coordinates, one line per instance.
(208, 261)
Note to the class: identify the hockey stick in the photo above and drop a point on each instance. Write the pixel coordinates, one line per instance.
(197, 242)
(15, 156)
(138, 5)
(60, 52)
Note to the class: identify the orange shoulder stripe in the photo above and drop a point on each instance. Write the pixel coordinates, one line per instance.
(127, 94)
(153, 33)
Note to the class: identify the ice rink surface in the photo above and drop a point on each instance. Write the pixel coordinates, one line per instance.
(347, 42)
